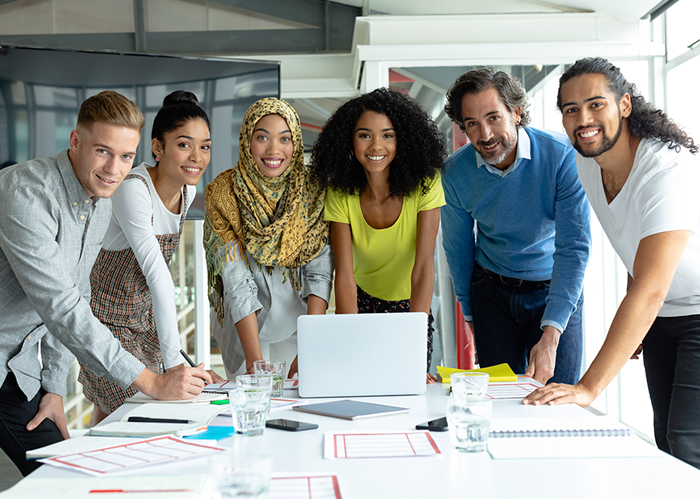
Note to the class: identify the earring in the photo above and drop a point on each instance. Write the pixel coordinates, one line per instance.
(157, 158)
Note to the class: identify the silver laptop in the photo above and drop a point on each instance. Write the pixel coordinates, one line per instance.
(353, 355)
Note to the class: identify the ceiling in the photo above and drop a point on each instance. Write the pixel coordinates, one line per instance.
(272, 28)
(627, 10)
(246, 27)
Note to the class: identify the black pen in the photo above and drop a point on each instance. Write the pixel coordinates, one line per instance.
(187, 358)
(142, 419)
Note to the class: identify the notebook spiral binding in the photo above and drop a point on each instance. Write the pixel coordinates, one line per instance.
(626, 432)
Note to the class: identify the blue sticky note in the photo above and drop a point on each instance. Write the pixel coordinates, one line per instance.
(214, 433)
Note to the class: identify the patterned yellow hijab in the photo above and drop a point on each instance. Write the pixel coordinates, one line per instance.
(279, 221)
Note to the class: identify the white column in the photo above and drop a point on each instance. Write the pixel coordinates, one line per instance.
(201, 303)
(375, 75)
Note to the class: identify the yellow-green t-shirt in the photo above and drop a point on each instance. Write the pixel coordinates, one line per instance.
(383, 258)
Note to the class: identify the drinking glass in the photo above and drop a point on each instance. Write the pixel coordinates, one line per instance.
(467, 386)
(249, 410)
(468, 423)
(237, 475)
(277, 369)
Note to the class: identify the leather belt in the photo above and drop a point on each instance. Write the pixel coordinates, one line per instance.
(514, 282)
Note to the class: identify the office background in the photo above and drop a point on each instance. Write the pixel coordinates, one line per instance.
(330, 51)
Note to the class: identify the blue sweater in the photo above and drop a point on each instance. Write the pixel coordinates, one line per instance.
(532, 223)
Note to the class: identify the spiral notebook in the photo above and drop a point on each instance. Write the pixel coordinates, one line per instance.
(557, 438)
(600, 426)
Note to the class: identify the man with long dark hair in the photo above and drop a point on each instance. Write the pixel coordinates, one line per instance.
(641, 175)
(519, 280)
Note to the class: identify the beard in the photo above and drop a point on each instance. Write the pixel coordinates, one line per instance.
(605, 145)
(506, 146)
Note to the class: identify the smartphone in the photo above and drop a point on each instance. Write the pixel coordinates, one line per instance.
(286, 424)
(439, 424)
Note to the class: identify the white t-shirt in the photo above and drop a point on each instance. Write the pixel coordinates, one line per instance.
(661, 194)
(132, 207)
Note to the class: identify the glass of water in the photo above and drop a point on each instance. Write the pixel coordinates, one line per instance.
(277, 369)
(255, 382)
(238, 475)
(468, 423)
(249, 410)
(467, 386)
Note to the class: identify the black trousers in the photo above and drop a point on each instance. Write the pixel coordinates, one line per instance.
(672, 365)
(15, 413)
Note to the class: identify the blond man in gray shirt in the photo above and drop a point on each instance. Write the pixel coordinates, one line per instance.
(53, 215)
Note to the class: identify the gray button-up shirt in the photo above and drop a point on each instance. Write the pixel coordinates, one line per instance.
(249, 289)
(50, 235)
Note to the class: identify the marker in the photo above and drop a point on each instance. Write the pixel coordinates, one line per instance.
(141, 419)
(219, 402)
(187, 358)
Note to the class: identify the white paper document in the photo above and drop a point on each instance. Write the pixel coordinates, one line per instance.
(121, 429)
(224, 386)
(203, 398)
(291, 384)
(304, 486)
(75, 445)
(138, 454)
(518, 390)
(160, 419)
(279, 403)
(230, 384)
(350, 445)
(570, 447)
(136, 487)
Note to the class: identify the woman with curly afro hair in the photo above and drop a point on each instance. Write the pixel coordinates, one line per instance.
(381, 155)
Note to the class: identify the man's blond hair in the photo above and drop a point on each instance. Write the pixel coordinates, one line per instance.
(112, 108)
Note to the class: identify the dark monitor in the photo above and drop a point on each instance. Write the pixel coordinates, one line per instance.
(41, 91)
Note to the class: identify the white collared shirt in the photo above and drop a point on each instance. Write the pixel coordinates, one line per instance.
(522, 152)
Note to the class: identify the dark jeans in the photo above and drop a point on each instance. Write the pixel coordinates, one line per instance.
(672, 365)
(15, 413)
(507, 325)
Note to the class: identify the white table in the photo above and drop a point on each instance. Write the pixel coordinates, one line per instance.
(454, 474)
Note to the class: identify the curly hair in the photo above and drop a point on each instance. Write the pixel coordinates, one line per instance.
(508, 86)
(645, 120)
(420, 149)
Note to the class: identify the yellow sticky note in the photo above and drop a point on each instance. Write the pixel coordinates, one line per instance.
(501, 372)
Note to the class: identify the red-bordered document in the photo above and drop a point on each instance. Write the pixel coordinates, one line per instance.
(354, 445)
(304, 486)
(224, 386)
(519, 390)
(138, 454)
(279, 403)
(291, 384)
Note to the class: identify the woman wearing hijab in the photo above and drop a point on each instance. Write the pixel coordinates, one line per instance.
(266, 242)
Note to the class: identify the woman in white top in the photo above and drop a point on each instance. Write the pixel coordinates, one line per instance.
(132, 290)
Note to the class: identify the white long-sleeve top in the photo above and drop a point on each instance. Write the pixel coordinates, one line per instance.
(133, 205)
